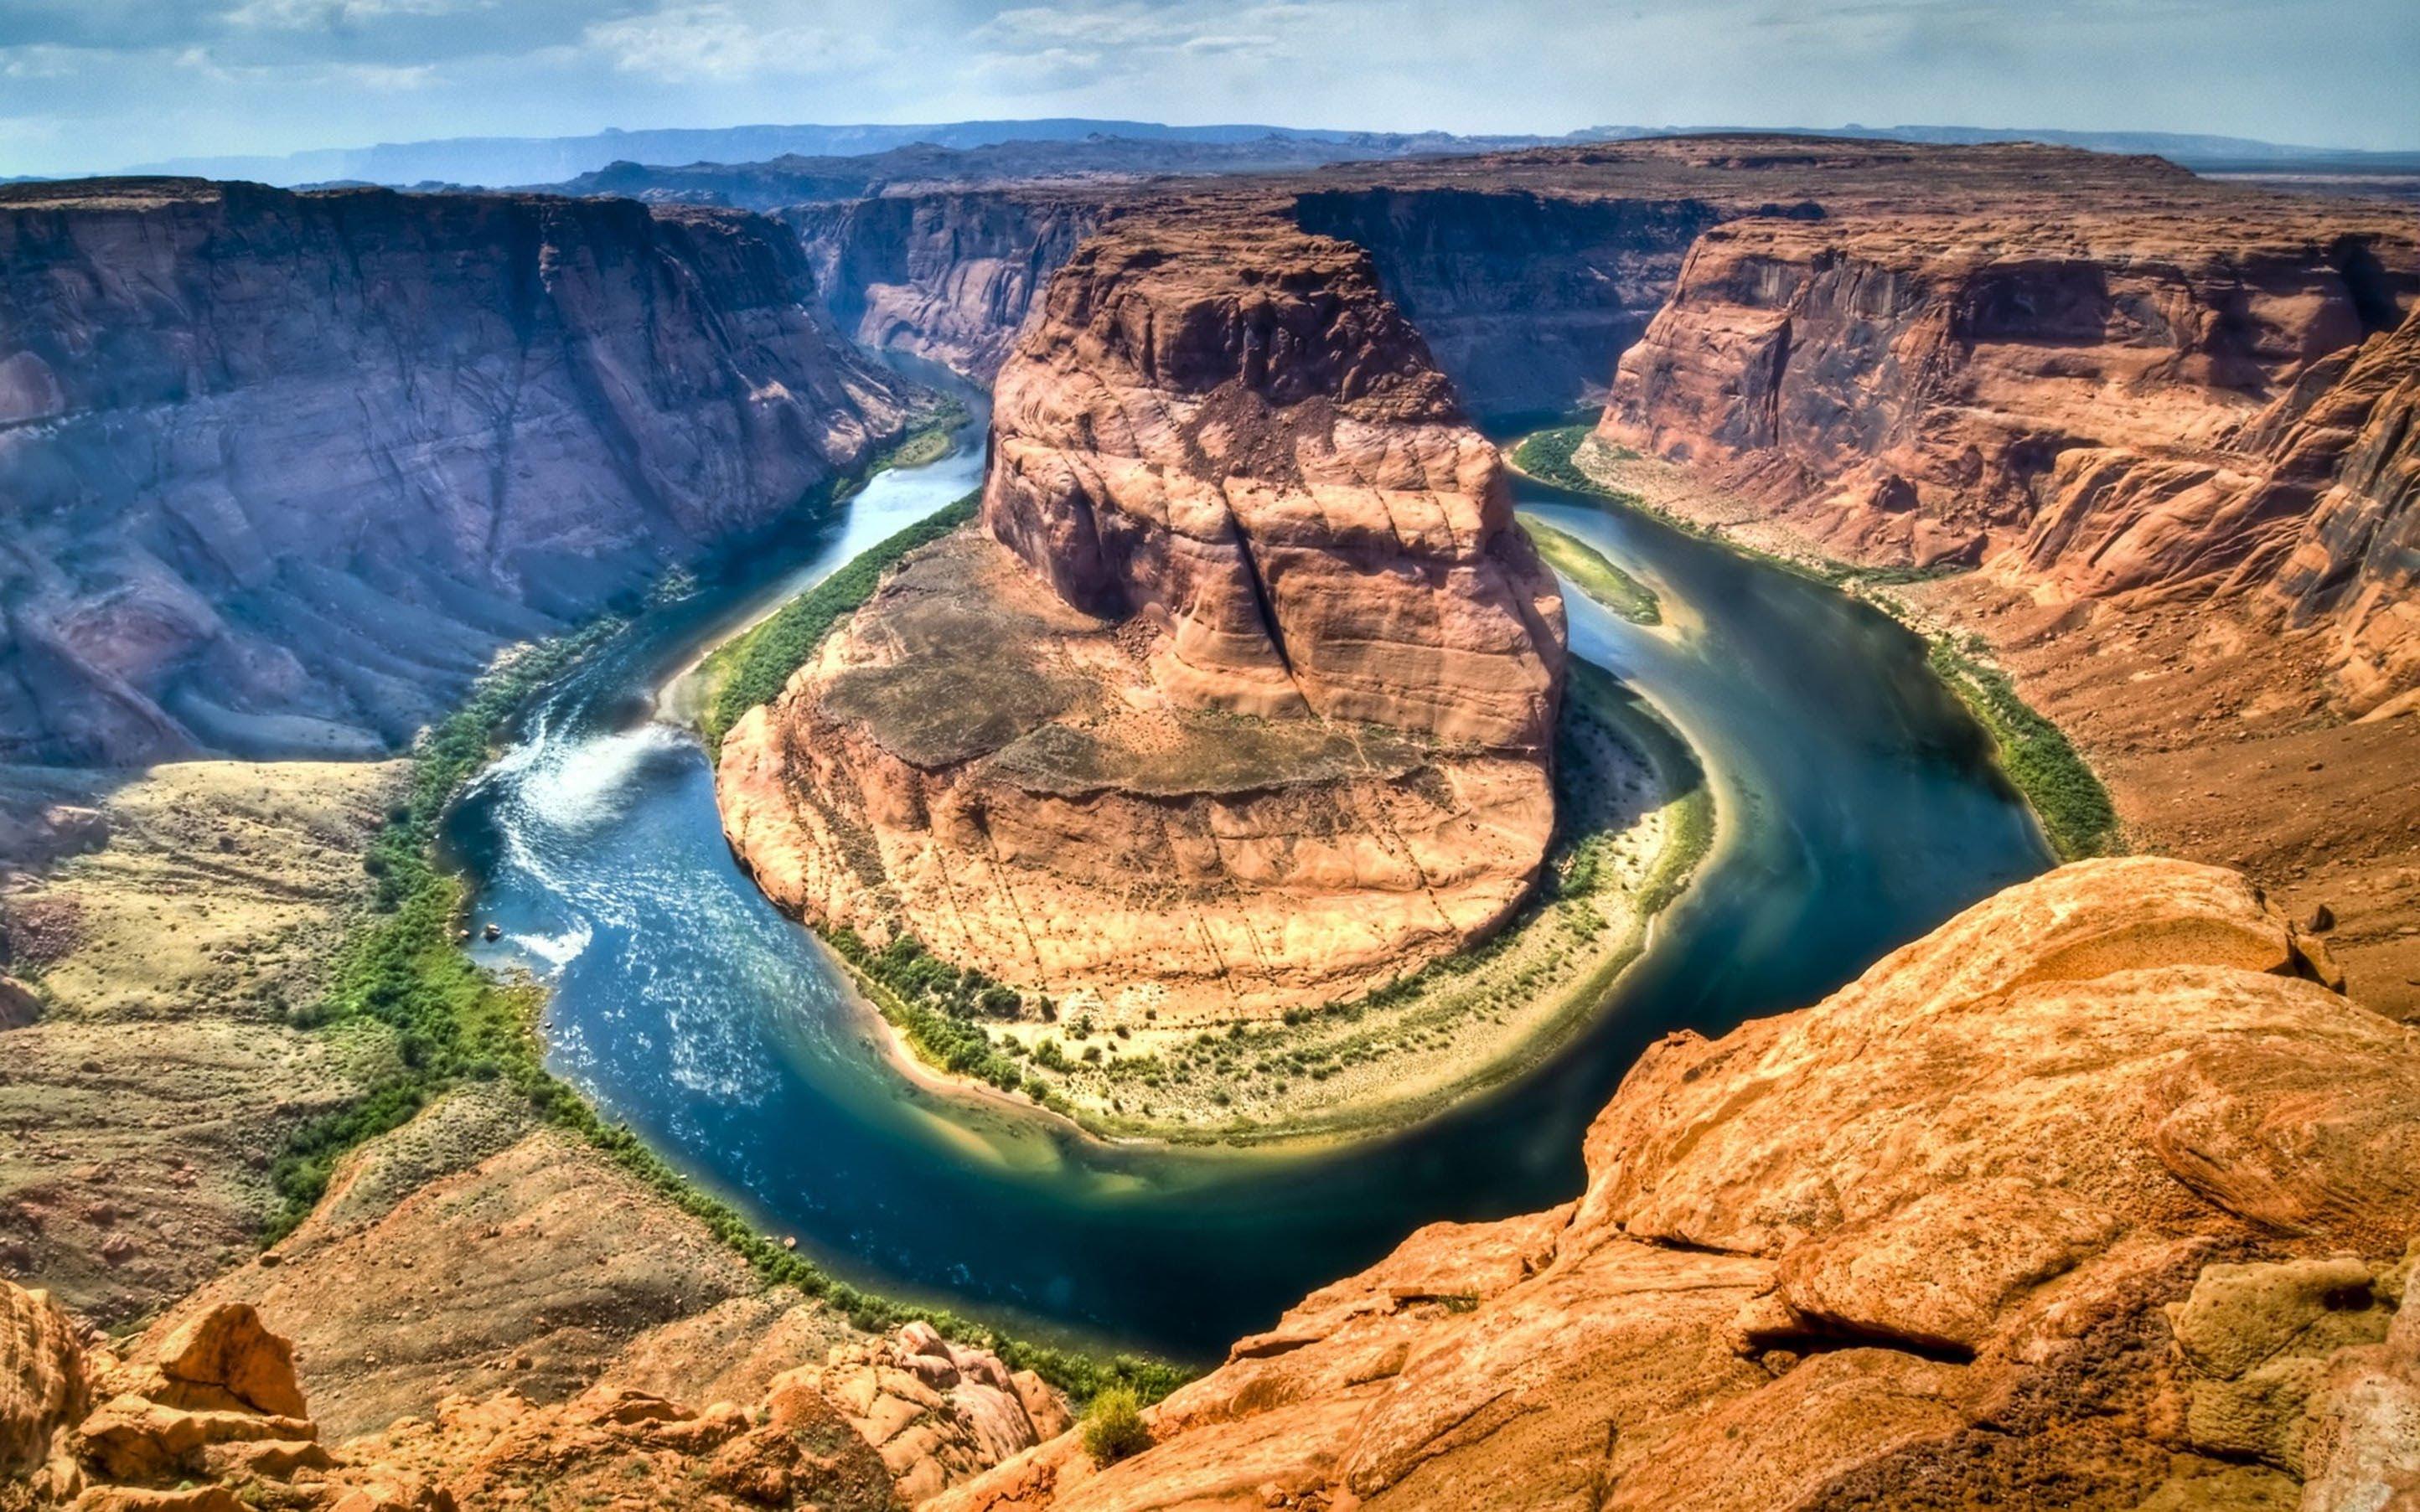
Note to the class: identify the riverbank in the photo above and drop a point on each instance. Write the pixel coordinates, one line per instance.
(1635, 817)
(2204, 735)
(2060, 786)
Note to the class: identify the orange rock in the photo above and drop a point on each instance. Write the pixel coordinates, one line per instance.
(44, 1383)
(229, 1349)
(128, 1438)
(2137, 400)
(1252, 708)
(1911, 1246)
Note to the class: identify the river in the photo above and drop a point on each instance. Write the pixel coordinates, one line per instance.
(1857, 805)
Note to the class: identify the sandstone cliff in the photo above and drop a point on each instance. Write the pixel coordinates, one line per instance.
(282, 470)
(1521, 293)
(2349, 468)
(2132, 403)
(948, 276)
(1253, 708)
(2098, 1197)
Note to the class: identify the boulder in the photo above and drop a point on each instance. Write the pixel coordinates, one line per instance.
(229, 1356)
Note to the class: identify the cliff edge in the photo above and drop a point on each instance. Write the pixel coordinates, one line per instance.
(2100, 1195)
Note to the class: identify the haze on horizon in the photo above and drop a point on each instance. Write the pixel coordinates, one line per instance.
(92, 85)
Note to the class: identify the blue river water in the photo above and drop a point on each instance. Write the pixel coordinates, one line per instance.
(1858, 808)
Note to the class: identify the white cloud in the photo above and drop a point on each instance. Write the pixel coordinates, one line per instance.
(1046, 48)
(41, 60)
(717, 42)
(309, 15)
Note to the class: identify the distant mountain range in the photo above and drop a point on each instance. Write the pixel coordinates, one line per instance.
(508, 161)
(503, 161)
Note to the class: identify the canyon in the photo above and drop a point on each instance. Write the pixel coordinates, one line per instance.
(2102, 1194)
(285, 471)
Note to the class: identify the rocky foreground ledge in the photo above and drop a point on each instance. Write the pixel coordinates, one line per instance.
(2100, 1195)
(1243, 696)
(209, 1416)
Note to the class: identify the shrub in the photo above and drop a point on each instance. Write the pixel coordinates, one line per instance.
(1113, 1425)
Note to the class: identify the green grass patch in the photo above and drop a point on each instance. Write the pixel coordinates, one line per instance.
(752, 668)
(1594, 574)
(1547, 457)
(2076, 815)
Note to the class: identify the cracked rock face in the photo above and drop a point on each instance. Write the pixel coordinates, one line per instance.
(1242, 695)
(2098, 1197)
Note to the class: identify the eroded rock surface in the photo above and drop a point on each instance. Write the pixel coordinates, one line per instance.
(212, 1417)
(283, 470)
(2125, 402)
(1243, 696)
(2098, 1197)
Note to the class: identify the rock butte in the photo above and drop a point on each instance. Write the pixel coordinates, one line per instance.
(1242, 696)
(2098, 1197)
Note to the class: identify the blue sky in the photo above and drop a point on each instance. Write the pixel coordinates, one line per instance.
(92, 85)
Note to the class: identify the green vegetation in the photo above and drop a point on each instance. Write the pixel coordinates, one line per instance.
(2074, 809)
(934, 1004)
(1594, 574)
(402, 968)
(1113, 1426)
(751, 668)
(1547, 457)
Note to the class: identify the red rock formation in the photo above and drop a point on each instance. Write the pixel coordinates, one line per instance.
(2138, 403)
(1228, 430)
(1909, 1248)
(1256, 712)
(215, 1408)
(282, 470)
(44, 1384)
(2355, 564)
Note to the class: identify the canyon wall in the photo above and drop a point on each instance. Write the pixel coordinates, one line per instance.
(2099, 1196)
(1523, 296)
(281, 471)
(1242, 696)
(2128, 404)
(949, 277)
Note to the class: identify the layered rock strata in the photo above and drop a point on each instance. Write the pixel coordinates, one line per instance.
(281, 471)
(948, 276)
(1521, 293)
(2138, 404)
(1242, 697)
(2100, 1195)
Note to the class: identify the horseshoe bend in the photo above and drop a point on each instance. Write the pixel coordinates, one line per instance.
(1093, 817)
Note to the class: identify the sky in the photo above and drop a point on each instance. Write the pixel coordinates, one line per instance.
(89, 86)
